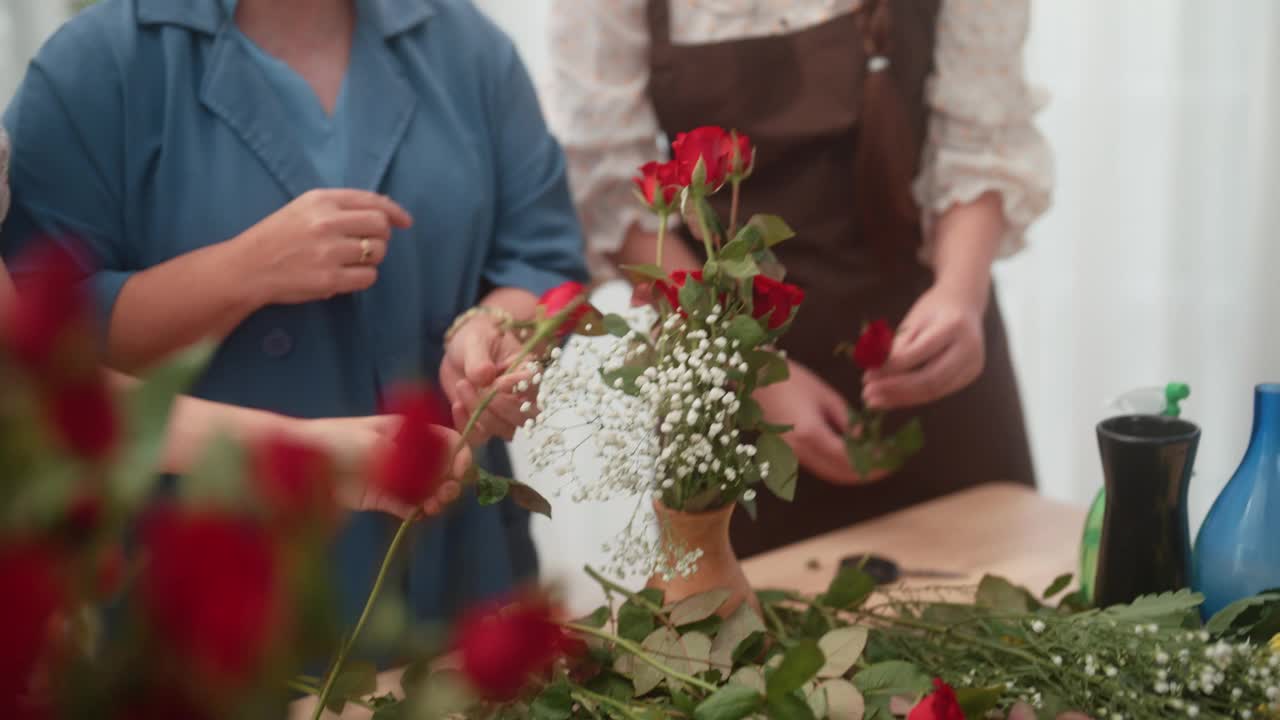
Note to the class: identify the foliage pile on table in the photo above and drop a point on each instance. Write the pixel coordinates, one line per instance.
(854, 653)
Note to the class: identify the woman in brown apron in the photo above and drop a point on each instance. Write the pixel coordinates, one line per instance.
(837, 96)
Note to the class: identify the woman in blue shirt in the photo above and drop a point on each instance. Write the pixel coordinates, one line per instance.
(324, 185)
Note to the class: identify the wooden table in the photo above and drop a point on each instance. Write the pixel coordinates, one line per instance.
(1006, 530)
(1002, 529)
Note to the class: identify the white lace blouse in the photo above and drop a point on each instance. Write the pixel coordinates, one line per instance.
(981, 136)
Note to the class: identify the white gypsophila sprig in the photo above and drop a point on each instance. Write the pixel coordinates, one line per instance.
(676, 437)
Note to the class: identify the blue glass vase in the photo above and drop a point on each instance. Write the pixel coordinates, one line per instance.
(1237, 553)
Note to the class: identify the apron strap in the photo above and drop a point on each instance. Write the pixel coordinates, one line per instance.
(659, 16)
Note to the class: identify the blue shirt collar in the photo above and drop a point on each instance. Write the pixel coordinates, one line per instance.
(391, 17)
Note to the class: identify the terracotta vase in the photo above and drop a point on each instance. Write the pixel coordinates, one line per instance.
(718, 567)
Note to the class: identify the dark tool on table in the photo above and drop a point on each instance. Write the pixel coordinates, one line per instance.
(885, 571)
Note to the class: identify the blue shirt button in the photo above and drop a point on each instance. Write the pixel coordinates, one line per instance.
(277, 343)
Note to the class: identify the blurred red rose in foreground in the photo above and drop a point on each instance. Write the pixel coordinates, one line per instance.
(874, 345)
(210, 591)
(296, 480)
(413, 466)
(32, 597)
(941, 704)
(502, 647)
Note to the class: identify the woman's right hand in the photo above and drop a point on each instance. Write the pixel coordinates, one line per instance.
(324, 243)
(819, 419)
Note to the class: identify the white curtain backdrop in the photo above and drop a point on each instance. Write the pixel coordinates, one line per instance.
(1159, 261)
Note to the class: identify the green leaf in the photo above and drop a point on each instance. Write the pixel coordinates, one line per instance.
(490, 489)
(842, 648)
(977, 702)
(746, 330)
(773, 228)
(357, 680)
(789, 707)
(749, 677)
(624, 379)
(616, 326)
(530, 499)
(731, 702)
(147, 410)
(882, 681)
(849, 589)
(996, 593)
(612, 685)
(694, 298)
(555, 702)
(1167, 609)
(741, 625)
(708, 626)
(743, 268)
(773, 368)
(1059, 584)
(647, 272)
(694, 655)
(596, 619)
(635, 622)
(391, 711)
(662, 643)
(698, 607)
(799, 665)
(751, 415)
(844, 702)
(783, 470)
(908, 440)
(1235, 616)
(414, 675)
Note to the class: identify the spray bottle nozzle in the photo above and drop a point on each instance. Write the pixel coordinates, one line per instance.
(1174, 394)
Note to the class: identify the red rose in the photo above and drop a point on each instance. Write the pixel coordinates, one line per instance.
(742, 156)
(659, 183)
(874, 345)
(774, 300)
(560, 297)
(33, 595)
(161, 705)
(412, 468)
(941, 704)
(109, 570)
(295, 480)
(83, 415)
(51, 310)
(210, 591)
(501, 648)
(710, 145)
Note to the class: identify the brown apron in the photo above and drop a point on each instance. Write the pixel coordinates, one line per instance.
(799, 97)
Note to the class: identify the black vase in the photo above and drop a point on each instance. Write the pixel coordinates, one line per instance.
(1146, 544)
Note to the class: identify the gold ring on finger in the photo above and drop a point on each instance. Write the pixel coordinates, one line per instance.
(366, 251)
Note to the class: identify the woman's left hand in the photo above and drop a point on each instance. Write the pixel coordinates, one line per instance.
(476, 359)
(939, 350)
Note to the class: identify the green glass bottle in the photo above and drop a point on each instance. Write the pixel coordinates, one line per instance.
(1152, 401)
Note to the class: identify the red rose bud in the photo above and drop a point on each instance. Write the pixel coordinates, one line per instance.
(502, 648)
(82, 413)
(412, 468)
(742, 156)
(670, 289)
(209, 590)
(710, 146)
(874, 345)
(659, 184)
(941, 704)
(52, 309)
(295, 480)
(33, 596)
(560, 297)
(774, 300)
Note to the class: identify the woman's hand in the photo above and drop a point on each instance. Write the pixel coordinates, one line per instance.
(324, 243)
(819, 418)
(939, 350)
(475, 359)
(356, 440)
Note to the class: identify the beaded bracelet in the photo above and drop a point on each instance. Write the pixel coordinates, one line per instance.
(502, 319)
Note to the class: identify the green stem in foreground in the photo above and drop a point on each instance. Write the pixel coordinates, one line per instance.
(643, 656)
(633, 597)
(585, 696)
(700, 208)
(538, 338)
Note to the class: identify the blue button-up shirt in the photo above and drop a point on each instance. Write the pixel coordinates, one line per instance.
(147, 129)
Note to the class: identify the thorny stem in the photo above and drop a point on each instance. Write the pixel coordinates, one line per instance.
(733, 209)
(633, 597)
(582, 694)
(662, 234)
